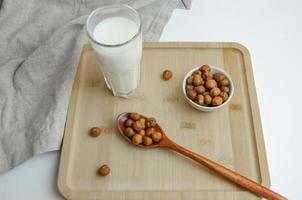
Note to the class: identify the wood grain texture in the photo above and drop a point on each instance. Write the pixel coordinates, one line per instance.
(231, 136)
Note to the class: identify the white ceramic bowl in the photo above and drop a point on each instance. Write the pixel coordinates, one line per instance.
(214, 70)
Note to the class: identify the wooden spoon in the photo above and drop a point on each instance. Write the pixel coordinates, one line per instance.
(219, 169)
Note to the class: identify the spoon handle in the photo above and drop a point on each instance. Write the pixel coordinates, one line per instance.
(229, 174)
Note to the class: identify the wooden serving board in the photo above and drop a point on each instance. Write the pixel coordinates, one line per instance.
(231, 136)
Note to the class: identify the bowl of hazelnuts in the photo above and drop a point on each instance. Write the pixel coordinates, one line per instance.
(208, 88)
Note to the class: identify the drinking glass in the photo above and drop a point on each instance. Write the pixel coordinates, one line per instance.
(119, 61)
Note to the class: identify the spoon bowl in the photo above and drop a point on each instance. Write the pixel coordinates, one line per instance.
(233, 176)
(165, 141)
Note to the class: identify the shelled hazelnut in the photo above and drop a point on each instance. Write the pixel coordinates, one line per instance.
(157, 136)
(147, 141)
(95, 131)
(104, 170)
(134, 116)
(137, 139)
(167, 75)
(129, 132)
(205, 68)
(200, 89)
(150, 122)
(206, 88)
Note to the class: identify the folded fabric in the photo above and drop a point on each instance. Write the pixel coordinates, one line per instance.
(40, 43)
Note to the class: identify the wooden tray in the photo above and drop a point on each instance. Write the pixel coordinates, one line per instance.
(231, 136)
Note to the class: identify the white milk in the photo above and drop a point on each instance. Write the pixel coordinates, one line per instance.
(120, 65)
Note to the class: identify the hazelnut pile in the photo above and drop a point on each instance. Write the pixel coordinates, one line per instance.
(207, 89)
(141, 130)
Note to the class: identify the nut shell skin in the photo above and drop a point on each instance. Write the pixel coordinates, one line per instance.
(167, 75)
(142, 132)
(104, 170)
(205, 68)
(137, 139)
(149, 131)
(217, 101)
(143, 122)
(219, 77)
(134, 116)
(207, 99)
(210, 84)
(224, 82)
(129, 132)
(129, 123)
(137, 125)
(189, 87)
(192, 94)
(207, 75)
(147, 141)
(150, 122)
(198, 72)
(200, 89)
(225, 89)
(95, 131)
(197, 80)
(200, 99)
(190, 80)
(224, 96)
(215, 92)
(157, 136)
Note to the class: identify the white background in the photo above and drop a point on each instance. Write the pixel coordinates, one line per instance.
(272, 31)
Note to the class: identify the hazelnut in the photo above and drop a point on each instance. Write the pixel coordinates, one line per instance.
(224, 82)
(197, 72)
(150, 122)
(207, 75)
(149, 131)
(218, 77)
(225, 89)
(129, 132)
(192, 94)
(200, 99)
(217, 101)
(215, 92)
(143, 122)
(95, 131)
(190, 80)
(197, 80)
(207, 99)
(142, 132)
(206, 93)
(135, 116)
(200, 89)
(104, 170)
(137, 139)
(189, 87)
(224, 95)
(137, 125)
(147, 141)
(205, 68)
(157, 136)
(167, 75)
(211, 84)
(129, 123)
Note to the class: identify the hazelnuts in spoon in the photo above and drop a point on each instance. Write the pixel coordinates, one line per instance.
(207, 89)
(141, 131)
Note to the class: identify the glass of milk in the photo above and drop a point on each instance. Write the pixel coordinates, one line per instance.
(115, 33)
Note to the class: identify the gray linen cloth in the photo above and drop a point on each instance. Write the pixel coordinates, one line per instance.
(40, 43)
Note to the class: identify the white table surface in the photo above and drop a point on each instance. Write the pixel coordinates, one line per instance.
(272, 31)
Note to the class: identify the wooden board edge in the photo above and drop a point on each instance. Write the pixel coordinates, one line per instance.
(263, 163)
(63, 187)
